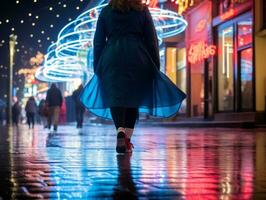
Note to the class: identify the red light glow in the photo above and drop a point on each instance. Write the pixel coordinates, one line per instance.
(227, 15)
(200, 51)
(151, 3)
(201, 25)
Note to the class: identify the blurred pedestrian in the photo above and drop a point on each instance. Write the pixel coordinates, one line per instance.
(127, 70)
(54, 100)
(62, 114)
(16, 110)
(43, 112)
(79, 107)
(31, 110)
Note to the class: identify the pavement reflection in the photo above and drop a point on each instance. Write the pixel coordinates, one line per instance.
(167, 163)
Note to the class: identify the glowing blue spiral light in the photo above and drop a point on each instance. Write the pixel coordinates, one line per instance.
(71, 56)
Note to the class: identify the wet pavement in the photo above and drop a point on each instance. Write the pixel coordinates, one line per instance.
(167, 163)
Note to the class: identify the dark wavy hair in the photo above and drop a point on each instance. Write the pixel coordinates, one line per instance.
(126, 5)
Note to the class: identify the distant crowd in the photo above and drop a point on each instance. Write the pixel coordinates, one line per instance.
(47, 112)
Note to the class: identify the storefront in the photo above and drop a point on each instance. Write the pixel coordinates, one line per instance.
(186, 57)
(234, 80)
(213, 62)
(175, 65)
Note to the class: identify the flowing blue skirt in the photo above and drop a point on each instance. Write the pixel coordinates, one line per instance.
(159, 98)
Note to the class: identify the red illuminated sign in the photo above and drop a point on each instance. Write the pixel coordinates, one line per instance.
(227, 15)
(151, 3)
(201, 25)
(200, 51)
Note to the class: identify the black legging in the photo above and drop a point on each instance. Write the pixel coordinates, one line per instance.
(124, 117)
(79, 116)
(30, 118)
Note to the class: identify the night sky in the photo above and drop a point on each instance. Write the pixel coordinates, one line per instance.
(36, 24)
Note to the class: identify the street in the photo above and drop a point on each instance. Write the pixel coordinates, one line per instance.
(167, 163)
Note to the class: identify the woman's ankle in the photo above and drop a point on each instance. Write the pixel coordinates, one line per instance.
(129, 132)
(121, 129)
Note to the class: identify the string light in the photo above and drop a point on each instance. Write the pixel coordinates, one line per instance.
(81, 28)
(62, 62)
(35, 12)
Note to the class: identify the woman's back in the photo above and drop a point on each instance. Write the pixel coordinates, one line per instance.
(131, 21)
(31, 106)
(113, 38)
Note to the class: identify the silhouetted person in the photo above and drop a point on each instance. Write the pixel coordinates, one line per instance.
(43, 112)
(31, 110)
(16, 110)
(79, 107)
(54, 101)
(127, 71)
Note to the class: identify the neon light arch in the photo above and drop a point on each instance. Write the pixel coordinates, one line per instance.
(65, 60)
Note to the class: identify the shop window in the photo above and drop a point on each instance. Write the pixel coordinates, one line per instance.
(225, 69)
(244, 32)
(176, 70)
(182, 75)
(171, 63)
(246, 77)
(235, 65)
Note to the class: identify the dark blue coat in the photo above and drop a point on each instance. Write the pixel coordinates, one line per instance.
(54, 97)
(126, 66)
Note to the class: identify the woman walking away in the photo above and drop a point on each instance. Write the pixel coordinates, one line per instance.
(54, 100)
(16, 110)
(43, 112)
(31, 109)
(127, 76)
(78, 106)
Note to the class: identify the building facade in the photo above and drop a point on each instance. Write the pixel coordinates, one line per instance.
(218, 60)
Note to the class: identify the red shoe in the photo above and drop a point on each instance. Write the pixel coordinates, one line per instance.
(129, 145)
(121, 142)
